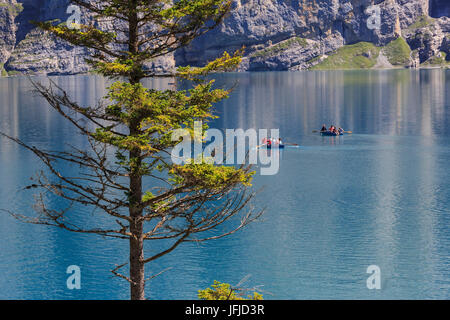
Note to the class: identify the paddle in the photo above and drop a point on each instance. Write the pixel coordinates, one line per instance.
(348, 132)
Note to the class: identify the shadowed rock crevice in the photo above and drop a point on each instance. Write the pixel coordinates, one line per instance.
(439, 8)
(31, 11)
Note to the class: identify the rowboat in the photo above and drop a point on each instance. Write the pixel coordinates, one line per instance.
(329, 133)
(274, 146)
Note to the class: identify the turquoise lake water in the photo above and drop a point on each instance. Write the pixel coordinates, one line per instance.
(380, 196)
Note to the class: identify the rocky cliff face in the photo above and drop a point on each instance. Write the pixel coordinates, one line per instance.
(39, 53)
(8, 12)
(277, 34)
(269, 28)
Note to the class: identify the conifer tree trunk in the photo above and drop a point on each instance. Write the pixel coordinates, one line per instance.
(137, 288)
(137, 265)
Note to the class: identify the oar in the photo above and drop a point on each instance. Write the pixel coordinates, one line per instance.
(315, 131)
(291, 144)
(348, 132)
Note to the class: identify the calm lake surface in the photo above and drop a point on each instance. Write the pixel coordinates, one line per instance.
(380, 196)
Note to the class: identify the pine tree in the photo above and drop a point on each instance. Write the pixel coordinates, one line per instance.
(129, 133)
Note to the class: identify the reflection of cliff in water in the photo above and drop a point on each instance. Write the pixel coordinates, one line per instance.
(395, 102)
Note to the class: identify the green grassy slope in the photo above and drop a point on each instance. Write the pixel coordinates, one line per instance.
(361, 55)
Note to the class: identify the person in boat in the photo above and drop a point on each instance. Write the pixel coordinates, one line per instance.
(324, 128)
(269, 143)
(331, 129)
(264, 141)
(341, 131)
(280, 142)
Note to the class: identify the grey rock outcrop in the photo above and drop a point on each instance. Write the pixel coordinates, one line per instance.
(8, 11)
(37, 52)
(40, 53)
(429, 37)
(444, 24)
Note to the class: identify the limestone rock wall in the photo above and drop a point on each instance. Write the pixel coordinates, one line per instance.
(9, 9)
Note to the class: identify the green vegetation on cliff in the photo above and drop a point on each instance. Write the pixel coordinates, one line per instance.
(398, 52)
(283, 45)
(437, 60)
(364, 55)
(3, 73)
(421, 22)
(361, 55)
